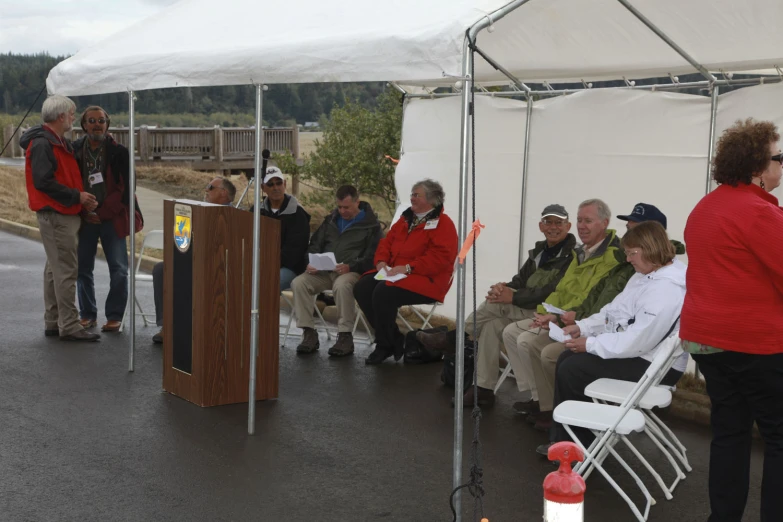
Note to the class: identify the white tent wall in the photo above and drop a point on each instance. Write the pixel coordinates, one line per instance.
(623, 146)
(431, 137)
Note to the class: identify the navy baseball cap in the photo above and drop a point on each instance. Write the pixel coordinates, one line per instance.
(645, 212)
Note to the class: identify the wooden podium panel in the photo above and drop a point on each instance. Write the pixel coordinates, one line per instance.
(207, 301)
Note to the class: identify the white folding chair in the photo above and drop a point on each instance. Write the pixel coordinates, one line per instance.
(505, 372)
(424, 319)
(152, 239)
(614, 391)
(614, 423)
(359, 317)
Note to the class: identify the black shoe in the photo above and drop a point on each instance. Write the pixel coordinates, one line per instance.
(543, 449)
(486, 398)
(158, 337)
(309, 342)
(343, 346)
(51, 332)
(81, 335)
(378, 355)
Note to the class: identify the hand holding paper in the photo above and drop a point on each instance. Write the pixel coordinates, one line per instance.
(383, 275)
(557, 334)
(553, 309)
(323, 261)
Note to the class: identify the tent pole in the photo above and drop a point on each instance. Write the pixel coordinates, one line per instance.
(132, 221)
(679, 50)
(525, 162)
(462, 227)
(711, 149)
(251, 400)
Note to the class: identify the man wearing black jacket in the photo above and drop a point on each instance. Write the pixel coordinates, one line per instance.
(294, 225)
(104, 165)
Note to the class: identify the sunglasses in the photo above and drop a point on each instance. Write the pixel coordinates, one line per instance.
(93, 121)
(274, 183)
(778, 157)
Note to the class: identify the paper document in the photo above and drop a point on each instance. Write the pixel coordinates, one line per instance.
(323, 261)
(557, 334)
(383, 275)
(553, 309)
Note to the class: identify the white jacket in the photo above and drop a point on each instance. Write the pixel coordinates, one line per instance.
(637, 319)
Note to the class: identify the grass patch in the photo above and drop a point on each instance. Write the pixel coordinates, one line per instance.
(13, 197)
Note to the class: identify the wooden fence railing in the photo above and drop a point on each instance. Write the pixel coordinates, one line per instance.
(218, 144)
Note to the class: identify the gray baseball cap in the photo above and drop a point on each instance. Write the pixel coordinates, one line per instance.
(555, 210)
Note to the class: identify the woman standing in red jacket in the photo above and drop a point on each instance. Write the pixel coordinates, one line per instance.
(735, 254)
(422, 246)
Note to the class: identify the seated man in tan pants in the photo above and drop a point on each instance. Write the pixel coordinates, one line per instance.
(352, 233)
(528, 341)
(513, 301)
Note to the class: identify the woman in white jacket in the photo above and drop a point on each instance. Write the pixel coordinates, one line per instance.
(621, 339)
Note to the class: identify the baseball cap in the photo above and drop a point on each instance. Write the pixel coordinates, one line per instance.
(272, 173)
(645, 212)
(555, 210)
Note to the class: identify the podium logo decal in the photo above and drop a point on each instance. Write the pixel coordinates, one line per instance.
(182, 227)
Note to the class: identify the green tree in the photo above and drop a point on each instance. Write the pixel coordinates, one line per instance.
(355, 142)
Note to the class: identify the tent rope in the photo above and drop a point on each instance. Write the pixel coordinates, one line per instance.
(475, 485)
(23, 118)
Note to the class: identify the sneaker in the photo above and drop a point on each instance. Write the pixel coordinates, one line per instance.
(343, 346)
(158, 337)
(81, 335)
(309, 342)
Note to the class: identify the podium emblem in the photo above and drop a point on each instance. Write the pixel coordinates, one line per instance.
(182, 227)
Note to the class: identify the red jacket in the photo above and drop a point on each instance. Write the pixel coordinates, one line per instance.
(53, 177)
(734, 297)
(430, 249)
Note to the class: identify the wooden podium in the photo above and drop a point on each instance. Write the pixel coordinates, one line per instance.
(208, 275)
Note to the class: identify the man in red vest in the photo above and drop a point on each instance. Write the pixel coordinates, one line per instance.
(56, 194)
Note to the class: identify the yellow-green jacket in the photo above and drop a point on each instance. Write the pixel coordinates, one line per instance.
(580, 278)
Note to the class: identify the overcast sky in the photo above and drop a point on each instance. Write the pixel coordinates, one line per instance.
(62, 27)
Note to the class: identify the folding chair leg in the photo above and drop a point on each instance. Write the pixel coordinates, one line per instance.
(597, 465)
(506, 372)
(141, 311)
(407, 324)
(669, 439)
(655, 437)
(650, 469)
(321, 318)
(290, 318)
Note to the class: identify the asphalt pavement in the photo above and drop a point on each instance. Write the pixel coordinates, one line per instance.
(82, 439)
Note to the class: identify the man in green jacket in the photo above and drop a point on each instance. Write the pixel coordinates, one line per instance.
(593, 260)
(352, 233)
(512, 301)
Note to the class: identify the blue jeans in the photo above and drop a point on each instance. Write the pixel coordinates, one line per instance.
(286, 276)
(116, 254)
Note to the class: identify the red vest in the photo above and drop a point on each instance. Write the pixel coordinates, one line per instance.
(67, 174)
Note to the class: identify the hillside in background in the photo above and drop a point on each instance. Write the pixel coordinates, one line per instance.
(23, 76)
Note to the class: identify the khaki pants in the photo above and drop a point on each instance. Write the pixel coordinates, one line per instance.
(59, 235)
(491, 319)
(535, 350)
(306, 286)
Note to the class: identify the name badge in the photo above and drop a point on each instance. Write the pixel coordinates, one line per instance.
(431, 224)
(95, 178)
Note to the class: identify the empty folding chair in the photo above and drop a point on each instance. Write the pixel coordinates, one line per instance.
(612, 424)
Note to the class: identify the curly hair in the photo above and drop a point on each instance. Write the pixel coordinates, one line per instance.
(743, 151)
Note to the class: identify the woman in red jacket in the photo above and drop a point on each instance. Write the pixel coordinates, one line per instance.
(422, 246)
(732, 313)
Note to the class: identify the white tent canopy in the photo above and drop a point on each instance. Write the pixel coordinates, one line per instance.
(233, 42)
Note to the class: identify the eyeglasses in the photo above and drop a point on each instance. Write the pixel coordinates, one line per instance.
(417, 195)
(92, 121)
(778, 157)
(630, 253)
(553, 222)
(210, 187)
(274, 183)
